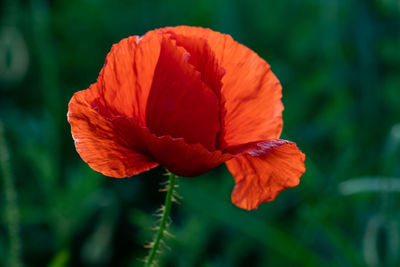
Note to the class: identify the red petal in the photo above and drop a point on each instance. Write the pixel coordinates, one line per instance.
(125, 80)
(264, 170)
(252, 93)
(175, 154)
(203, 59)
(180, 104)
(98, 142)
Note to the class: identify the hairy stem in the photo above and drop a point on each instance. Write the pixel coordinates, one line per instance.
(166, 209)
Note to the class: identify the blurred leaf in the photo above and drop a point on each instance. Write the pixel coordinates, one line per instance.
(60, 259)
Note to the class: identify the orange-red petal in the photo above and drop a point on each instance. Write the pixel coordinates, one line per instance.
(175, 154)
(251, 92)
(180, 104)
(265, 170)
(124, 82)
(203, 59)
(98, 141)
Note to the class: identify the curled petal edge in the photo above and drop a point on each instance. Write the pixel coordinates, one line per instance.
(98, 145)
(264, 170)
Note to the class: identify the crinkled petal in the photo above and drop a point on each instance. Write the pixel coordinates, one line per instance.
(264, 170)
(175, 154)
(203, 59)
(98, 141)
(124, 82)
(251, 92)
(180, 104)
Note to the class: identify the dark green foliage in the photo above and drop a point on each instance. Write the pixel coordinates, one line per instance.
(339, 64)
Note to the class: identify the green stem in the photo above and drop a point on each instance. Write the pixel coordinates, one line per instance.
(164, 220)
(11, 208)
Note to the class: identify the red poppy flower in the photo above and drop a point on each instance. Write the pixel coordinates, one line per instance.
(189, 99)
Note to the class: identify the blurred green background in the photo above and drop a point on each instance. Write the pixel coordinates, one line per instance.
(339, 64)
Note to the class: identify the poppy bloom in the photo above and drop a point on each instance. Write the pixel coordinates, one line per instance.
(189, 99)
